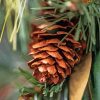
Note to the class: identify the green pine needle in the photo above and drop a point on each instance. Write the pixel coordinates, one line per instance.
(30, 78)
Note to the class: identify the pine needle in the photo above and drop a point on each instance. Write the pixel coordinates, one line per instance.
(57, 20)
(6, 17)
(15, 43)
(21, 15)
(78, 31)
(42, 8)
(15, 25)
(67, 34)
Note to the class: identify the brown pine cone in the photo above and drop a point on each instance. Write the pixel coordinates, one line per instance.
(53, 60)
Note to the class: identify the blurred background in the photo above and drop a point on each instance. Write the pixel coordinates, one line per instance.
(16, 17)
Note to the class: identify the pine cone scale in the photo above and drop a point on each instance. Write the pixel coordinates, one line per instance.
(45, 43)
(55, 54)
(48, 48)
(41, 55)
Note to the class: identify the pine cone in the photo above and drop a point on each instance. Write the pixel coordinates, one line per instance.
(53, 60)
